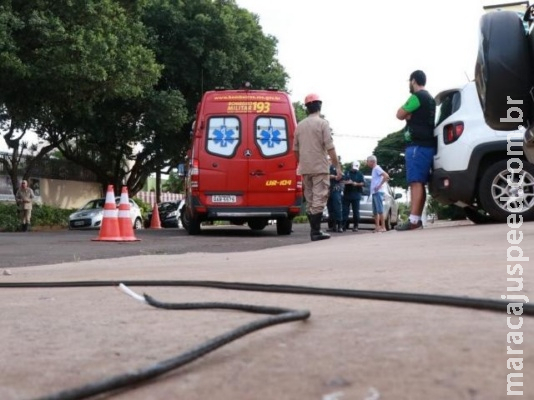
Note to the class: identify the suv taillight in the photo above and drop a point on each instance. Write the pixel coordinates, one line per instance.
(452, 132)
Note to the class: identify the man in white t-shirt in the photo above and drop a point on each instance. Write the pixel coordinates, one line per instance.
(378, 178)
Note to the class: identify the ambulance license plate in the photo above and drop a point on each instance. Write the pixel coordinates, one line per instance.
(223, 198)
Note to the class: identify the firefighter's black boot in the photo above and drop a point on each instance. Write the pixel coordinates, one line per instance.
(315, 224)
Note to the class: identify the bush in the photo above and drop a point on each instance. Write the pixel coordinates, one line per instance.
(145, 207)
(42, 215)
(300, 219)
(445, 212)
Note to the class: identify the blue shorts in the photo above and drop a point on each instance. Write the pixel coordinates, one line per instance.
(378, 203)
(419, 161)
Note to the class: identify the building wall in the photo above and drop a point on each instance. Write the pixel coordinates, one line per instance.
(68, 194)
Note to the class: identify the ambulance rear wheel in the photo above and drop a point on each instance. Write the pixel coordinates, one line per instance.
(284, 226)
(257, 224)
(190, 223)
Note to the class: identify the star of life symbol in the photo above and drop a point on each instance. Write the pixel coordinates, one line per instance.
(224, 136)
(270, 136)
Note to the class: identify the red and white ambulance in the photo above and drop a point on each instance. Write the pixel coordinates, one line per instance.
(241, 166)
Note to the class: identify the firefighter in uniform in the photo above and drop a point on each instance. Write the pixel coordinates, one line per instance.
(313, 144)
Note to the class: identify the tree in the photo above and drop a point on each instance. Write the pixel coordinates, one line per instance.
(206, 44)
(174, 183)
(59, 59)
(150, 133)
(114, 84)
(300, 111)
(389, 153)
(124, 141)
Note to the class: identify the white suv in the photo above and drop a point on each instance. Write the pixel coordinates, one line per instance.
(470, 166)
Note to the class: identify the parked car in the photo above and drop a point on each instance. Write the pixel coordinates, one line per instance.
(91, 214)
(169, 214)
(391, 207)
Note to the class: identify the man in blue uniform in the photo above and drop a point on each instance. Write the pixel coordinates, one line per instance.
(352, 194)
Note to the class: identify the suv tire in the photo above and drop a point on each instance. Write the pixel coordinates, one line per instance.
(493, 186)
(503, 68)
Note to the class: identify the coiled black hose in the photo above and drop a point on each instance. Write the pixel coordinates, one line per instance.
(281, 315)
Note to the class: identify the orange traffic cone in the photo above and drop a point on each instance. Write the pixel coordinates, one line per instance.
(125, 221)
(155, 222)
(109, 230)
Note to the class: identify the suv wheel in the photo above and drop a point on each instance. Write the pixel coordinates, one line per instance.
(494, 191)
(503, 68)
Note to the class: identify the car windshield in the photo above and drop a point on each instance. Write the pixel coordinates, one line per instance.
(94, 204)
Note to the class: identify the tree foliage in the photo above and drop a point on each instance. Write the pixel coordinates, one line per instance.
(300, 111)
(61, 58)
(114, 84)
(390, 154)
(205, 44)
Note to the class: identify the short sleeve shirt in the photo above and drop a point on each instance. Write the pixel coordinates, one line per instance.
(411, 104)
(313, 140)
(376, 178)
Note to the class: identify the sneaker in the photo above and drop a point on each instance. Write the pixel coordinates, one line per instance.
(408, 226)
(354, 229)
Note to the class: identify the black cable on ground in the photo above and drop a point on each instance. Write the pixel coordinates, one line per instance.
(418, 298)
(281, 316)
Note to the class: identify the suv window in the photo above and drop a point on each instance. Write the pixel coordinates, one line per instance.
(449, 104)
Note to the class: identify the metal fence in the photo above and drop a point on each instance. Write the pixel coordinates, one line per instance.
(52, 168)
(150, 197)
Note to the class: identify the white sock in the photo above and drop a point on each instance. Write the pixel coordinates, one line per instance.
(414, 219)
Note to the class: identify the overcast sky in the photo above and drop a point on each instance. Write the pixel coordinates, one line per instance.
(358, 56)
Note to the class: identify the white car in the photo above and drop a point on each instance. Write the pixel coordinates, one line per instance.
(91, 214)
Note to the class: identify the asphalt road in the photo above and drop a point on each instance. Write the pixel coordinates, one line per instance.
(20, 249)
